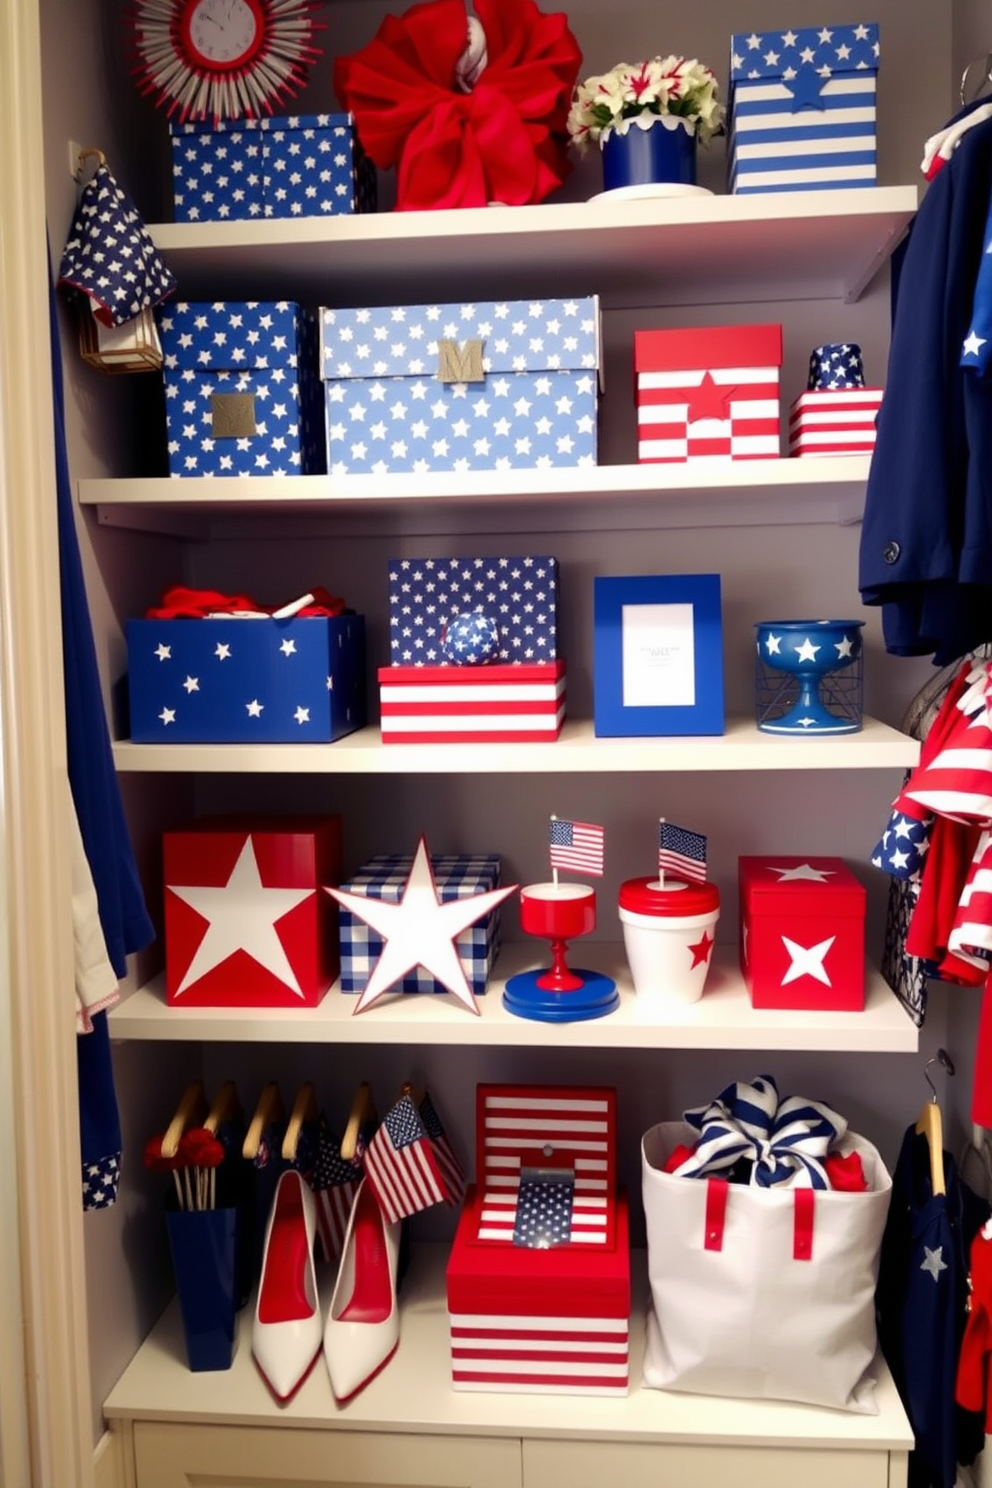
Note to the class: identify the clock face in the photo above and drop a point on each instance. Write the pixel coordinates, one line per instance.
(222, 34)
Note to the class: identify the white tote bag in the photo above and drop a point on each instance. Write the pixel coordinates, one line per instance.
(762, 1293)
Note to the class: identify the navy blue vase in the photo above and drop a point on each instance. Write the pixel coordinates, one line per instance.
(644, 157)
(203, 1243)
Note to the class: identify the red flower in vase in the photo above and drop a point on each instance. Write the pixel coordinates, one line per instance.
(465, 123)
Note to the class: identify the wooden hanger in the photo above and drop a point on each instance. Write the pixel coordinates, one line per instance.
(361, 1115)
(305, 1108)
(931, 1125)
(268, 1110)
(189, 1112)
(226, 1107)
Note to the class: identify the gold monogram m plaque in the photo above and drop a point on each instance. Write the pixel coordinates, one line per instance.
(460, 363)
(233, 415)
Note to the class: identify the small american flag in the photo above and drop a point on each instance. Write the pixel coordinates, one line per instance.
(401, 1165)
(680, 852)
(451, 1170)
(334, 1181)
(576, 847)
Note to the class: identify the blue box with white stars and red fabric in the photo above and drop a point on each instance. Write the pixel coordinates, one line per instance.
(802, 108)
(538, 1279)
(303, 165)
(242, 390)
(495, 385)
(456, 876)
(247, 681)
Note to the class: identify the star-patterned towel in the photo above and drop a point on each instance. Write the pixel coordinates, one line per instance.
(109, 256)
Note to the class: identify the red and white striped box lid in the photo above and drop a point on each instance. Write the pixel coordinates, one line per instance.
(834, 421)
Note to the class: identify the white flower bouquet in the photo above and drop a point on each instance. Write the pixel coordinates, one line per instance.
(677, 92)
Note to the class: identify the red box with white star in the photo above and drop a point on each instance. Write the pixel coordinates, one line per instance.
(247, 922)
(802, 942)
(834, 421)
(708, 394)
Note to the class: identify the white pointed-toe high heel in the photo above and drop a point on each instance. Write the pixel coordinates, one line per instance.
(363, 1325)
(286, 1331)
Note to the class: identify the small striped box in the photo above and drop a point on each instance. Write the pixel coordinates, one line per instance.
(802, 108)
(472, 704)
(708, 394)
(837, 421)
(456, 876)
(538, 1287)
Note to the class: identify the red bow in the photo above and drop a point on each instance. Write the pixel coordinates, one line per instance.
(505, 140)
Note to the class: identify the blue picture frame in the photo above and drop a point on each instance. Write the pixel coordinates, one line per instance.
(658, 655)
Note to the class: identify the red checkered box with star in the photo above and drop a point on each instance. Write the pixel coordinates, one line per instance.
(247, 922)
(708, 394)
(802, 942)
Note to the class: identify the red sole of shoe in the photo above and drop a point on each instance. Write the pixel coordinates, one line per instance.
(371, 1299)
(282, 1293)
(344, 1399)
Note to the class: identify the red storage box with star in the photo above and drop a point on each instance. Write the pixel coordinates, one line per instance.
(708, 393)
(538, 1280)
(247, 922)
(802, 939)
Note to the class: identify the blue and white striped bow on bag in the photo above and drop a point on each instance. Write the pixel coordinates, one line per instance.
(786, 1142)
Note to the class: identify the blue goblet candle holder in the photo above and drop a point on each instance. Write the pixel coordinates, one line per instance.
(809, 676)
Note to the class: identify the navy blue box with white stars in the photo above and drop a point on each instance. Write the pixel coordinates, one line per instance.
(242, 391)
(306, 165)
(520, 596)
(500, 385)
(259, 681)
(802, 108)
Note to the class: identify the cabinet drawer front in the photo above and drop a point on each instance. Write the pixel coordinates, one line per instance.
(176, 1456)
(638, 1465)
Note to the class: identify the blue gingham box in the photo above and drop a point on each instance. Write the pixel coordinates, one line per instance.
(242, 392)
(456, 877)
(802, 108)
(305, 165)
(520, 595)
(486, 385)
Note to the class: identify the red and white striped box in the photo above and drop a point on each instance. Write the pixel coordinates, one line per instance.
(708, 393)
(834, 421)
(550, 1317)
(472, 704)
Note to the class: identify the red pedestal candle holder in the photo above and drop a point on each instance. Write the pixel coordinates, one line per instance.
(559, 993)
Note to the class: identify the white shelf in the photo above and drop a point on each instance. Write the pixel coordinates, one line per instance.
(706, 249)
(723, 1018)
(829, 488)
(576, 751)
(414, 1394)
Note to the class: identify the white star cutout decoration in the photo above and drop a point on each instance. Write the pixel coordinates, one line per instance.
(807, 651)
(807, 960)
(242, 916)
(973, 344)
(802, 870)
(420, 931)
(933, 1262)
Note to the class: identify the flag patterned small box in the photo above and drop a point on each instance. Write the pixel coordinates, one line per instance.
(260, 681)
(508, 385)
(307, 165)
(456, 876)
(475, 705)
(518, 594)
(802, 108)
(802, 941)
(538, 1280)
(841, 422)
(708, 394)
(242, 390)
(247, 922)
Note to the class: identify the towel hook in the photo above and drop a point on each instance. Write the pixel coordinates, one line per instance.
(986, 64)
(82, 158)
(946, 1063)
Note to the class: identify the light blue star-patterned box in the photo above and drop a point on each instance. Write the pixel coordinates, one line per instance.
(304, 165)
(246, 681)
(242, 390)
(802, 108)
(456, 876)
(482, 385)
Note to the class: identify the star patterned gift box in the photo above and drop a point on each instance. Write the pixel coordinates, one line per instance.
(519, 594)
(802, 939)
(507, 385)
(308, 165)
(456, 876)
(538, 1279)
(242, 391)
(836, 414)
(249, 681)
(802, 108)
(708, 394)
(247, 922)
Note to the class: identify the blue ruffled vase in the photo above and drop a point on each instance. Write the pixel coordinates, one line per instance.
(641, 157)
